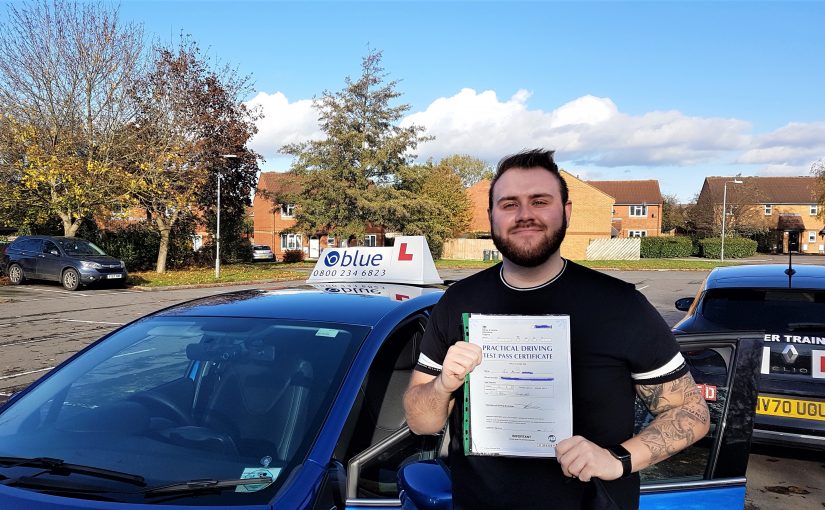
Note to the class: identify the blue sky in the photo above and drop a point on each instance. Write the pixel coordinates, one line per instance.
(674, 91)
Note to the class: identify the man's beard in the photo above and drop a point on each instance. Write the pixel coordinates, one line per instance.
(524, 256)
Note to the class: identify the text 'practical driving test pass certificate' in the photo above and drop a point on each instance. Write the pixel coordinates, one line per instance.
(519, 401)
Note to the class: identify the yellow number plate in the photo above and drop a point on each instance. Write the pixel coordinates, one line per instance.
(791, 408)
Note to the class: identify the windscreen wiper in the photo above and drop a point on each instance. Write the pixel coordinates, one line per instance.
(806, 326)
(206, 484)
(59, 466)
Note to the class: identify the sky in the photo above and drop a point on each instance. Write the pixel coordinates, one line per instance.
(674, 91)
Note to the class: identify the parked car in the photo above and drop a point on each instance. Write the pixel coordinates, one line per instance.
(262, 252)
(69, 260)
(788, 305)
(291, 399)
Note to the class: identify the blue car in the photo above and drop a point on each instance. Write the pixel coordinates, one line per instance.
(291, 399)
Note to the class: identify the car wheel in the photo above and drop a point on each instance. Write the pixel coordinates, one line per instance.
(71, 279)
(16, 275)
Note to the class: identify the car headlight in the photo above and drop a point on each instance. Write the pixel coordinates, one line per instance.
(122, 265)
(89, 265)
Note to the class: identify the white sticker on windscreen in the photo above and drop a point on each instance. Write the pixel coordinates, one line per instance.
(257, 472)
(331, 333)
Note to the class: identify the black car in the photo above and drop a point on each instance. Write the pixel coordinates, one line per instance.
(788, 305)
(69, 260)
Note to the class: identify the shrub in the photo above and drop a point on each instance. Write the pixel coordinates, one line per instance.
(666, 247)
(293, 256)
(735, 248)
(137, 245)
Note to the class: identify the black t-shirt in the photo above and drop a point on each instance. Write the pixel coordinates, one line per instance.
(618, 340)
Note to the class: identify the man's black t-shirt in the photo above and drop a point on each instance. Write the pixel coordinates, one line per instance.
(618, 340)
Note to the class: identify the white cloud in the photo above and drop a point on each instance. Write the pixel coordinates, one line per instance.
(587, 130)
(793, 144)
(283, 123)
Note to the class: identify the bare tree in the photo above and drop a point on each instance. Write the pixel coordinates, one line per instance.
(65, 70)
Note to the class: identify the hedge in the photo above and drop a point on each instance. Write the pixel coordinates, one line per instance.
(293, 256)
(665, 247)
(735, 247)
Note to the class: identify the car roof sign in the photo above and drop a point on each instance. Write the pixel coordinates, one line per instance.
(408, 261)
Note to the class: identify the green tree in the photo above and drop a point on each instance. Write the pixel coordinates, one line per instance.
(469, 169)
(673, 213)
(65, 69)
(429, 200)
(348, 175)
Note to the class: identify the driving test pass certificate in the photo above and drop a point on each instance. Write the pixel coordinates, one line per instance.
(520, 396)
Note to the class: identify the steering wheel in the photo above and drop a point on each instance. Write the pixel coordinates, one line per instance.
(162, 406)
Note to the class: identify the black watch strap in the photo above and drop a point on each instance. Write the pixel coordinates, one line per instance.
(621, 453)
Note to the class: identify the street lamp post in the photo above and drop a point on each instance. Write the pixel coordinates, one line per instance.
(218, 223)
(724, 214)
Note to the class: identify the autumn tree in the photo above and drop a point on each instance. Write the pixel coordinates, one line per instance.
(65, 69)
(189, 117)
(348, 175)
(469, 169)
(429, 200)
(673, 213)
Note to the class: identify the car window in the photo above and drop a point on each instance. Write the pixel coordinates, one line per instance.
(79, 247)
(376, 443)
(29, 245)
(175, 399)
(763, 309)
(709, 368)
(49, 247)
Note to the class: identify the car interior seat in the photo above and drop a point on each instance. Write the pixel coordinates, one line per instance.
(262, 404)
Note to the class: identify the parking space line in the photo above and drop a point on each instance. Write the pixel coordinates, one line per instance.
(20, 374)
(91, 322)
(643, 288)
(65, 292)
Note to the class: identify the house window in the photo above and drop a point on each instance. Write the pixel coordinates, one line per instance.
(370, 240)
(768, 209)
(291, 241)
(637, 233)
(638, 210)
(288, 211)
(811, 236)
(330, 240)
(813, 210)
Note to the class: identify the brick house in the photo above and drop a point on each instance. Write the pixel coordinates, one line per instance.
(274, 223)
(590, 220)
(786, 206)
(638, 208)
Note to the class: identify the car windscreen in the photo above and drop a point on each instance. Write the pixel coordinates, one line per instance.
(261, 247)
(175, 399)
(79, 247)
(765, 309)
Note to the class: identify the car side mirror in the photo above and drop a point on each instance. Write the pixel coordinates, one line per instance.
(425, 485)
(54, 252)
(684, 303)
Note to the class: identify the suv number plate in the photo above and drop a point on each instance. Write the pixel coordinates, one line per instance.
(791, 408)
(112, 276)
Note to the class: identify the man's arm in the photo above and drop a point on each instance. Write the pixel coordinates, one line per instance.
(681, 419)
(429, 400)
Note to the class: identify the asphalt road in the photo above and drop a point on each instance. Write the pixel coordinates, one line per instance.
(42, 325)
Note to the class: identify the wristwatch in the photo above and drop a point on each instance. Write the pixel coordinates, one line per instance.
(621, 453)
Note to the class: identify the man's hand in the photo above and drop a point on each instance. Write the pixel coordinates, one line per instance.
(582, 459)
(461, 359)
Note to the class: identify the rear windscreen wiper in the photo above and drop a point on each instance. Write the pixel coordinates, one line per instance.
(205, 485)
(806, 326)
(59, 466)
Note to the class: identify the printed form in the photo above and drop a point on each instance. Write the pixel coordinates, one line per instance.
(520, 396)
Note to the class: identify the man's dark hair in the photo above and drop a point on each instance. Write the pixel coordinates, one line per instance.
(529, 159)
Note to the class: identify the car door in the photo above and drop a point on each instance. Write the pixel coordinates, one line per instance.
(711, 473)
(49, 261)
(28, 255)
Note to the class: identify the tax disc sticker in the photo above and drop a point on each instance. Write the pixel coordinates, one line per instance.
(257, 472)
(331, 333)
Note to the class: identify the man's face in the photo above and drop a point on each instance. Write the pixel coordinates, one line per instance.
(528, 220)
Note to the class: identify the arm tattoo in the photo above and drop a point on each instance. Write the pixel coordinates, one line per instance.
(680, 411)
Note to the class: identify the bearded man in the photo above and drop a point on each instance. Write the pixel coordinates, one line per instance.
(620, 347)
